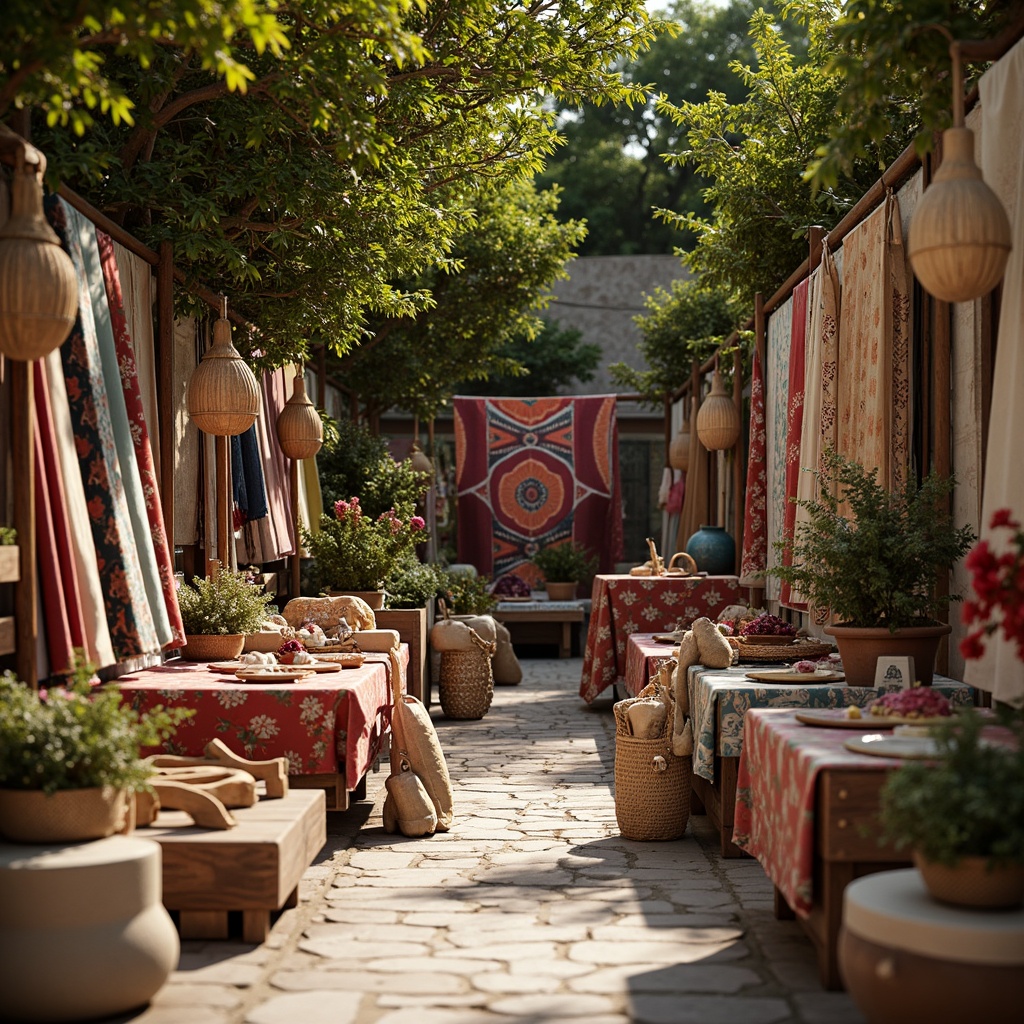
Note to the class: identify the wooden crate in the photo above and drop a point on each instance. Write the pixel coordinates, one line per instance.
(254, 867)
(411, 624)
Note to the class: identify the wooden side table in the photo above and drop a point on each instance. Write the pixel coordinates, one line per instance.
(533, 623)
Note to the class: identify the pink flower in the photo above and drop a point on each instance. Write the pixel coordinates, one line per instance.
(417, 523)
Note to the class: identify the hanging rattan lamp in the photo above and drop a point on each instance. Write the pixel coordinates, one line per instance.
(960, 235)
(718, 422)
(679, 449)
(299, 428)
(223, 397)
(38, 286)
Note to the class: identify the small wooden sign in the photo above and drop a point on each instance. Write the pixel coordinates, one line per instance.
(895, 671)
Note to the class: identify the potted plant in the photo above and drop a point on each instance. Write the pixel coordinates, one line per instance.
(873, 558)
(467, 594)
(565, 566)
(217, 612)
(69, 757)
(962, 813)
(354, 552)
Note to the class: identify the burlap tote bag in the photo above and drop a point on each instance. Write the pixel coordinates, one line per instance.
(466, 684)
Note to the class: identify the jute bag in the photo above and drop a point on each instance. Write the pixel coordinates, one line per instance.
(466, 684)
(652, 789)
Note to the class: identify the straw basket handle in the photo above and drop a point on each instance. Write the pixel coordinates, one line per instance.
(690, 564)
(487, 646)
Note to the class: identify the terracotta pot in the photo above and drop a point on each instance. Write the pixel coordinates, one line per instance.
(561, 591)
(861, 647)
(374, 598)
(213, 646)
(973, 882)
(69, 815)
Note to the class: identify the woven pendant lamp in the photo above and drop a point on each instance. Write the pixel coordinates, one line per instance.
(718, 423)
(223, 397)
(299, 428)
(38, 287)
(960, 235)
(679, 449)
(420, 461)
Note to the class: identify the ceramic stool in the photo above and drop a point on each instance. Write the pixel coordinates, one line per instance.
(83, 931)
(907, 959)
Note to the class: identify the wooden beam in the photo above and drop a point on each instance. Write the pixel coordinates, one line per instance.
(23, 473)
(222, 457)
(737, 460)
(165, 383)
(296, 580)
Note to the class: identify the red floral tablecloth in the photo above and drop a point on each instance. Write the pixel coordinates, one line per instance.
(328, 720)
(644, 656)
(623, 605)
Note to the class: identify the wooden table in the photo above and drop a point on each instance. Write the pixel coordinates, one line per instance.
(807, 808)
(541, 621)
(622, 605)
(254, 867)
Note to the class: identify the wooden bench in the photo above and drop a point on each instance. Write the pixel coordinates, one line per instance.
(533, 622)
(254, 867)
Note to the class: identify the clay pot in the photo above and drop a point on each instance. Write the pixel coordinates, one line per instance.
(213, 646)
(973, 882)
(69, 815)
(561, 591)
(861, 647)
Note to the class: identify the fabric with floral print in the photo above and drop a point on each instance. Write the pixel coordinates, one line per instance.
(128, 612)
(644, 656)
(326, 723)
(755, 523)
(719, 699)
(623, 605)
(140, 435)
(776, 405)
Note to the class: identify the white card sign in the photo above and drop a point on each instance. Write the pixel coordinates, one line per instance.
(893, 671)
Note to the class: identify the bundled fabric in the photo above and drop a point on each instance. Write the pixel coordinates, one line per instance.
(452, 635)
(505, 665)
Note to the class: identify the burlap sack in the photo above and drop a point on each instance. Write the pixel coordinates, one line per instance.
(485, 625)
(414, 740)
(451, 635)
(715, 651)
(412, 810)
(505, 665)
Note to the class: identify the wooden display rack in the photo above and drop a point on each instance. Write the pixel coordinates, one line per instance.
(254, 867)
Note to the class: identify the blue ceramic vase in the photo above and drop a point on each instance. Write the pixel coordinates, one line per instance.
(713, 550)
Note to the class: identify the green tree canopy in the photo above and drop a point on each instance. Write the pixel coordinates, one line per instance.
(350, 162)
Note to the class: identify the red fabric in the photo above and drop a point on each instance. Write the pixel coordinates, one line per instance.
(794, 426)
(754, 558)
(644, 656)
(532, 472)
(328, 722)
(140, 435)
(623, 605)
(58, 575)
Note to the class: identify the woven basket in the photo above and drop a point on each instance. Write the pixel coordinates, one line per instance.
(652, 789)
(213, 646)
(466, 684)
(783, 652)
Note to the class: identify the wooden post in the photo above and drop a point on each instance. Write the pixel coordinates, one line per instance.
(296, 582)
(223, 462)
(23, 473)
(165, 383)
(738, 475)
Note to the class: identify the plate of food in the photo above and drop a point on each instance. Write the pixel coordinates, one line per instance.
(344, 659)
(273, 673)
(791, 675)
(227, 666)
(851, 717)
(888, 745)
(919, 705)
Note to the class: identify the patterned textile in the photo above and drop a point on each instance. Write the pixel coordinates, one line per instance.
(755, 521)
(874, 386)
(794, 426)
(136, 415)
(87, 575)
(623, 605)
(329, 722)
(644, 656)
(776, 412)
(1001, 671)
(532, 472)
(63, 622)
(719, 698)
(128, 613)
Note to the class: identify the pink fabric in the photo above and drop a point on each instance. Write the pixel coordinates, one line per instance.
(794, 426)
(140, 436)
(755, 516)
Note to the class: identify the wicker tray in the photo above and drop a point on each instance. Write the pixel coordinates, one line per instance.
(786, 652)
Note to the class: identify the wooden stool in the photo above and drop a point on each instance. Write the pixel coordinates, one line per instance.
(908, 959)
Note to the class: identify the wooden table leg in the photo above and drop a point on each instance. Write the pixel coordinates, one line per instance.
(566, 646)
(203, 924)
(255, 926)
(835, 876)
(783, 911)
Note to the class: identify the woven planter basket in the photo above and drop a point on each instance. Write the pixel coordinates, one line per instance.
(213, 646)
(652, 789)
(69, 815)
(298, 427)
(466, 683)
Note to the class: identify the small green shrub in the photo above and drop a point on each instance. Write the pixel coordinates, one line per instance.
(231, 603)
(567, 562)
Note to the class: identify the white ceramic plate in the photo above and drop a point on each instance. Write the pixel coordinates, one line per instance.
(787, 675)
(887, 745)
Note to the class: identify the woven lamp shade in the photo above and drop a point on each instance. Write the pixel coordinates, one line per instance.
(420, 461)
(960, 235)
(298, 427)
(38, 287)
(223, 397)
(718, 422)
(679, 449)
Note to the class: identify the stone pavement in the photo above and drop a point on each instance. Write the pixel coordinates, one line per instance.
(532, 908)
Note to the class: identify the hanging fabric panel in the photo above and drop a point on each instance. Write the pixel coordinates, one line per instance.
(1000, 670)
(532, 472)
(780, 327)
(92, 608)
(128, 613)
(186, 438)
(754, 559)
(163, 563)
(794, 426)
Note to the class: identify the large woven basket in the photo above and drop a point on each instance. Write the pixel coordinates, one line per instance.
(783, 652)
(652, 789)
(466, 683)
